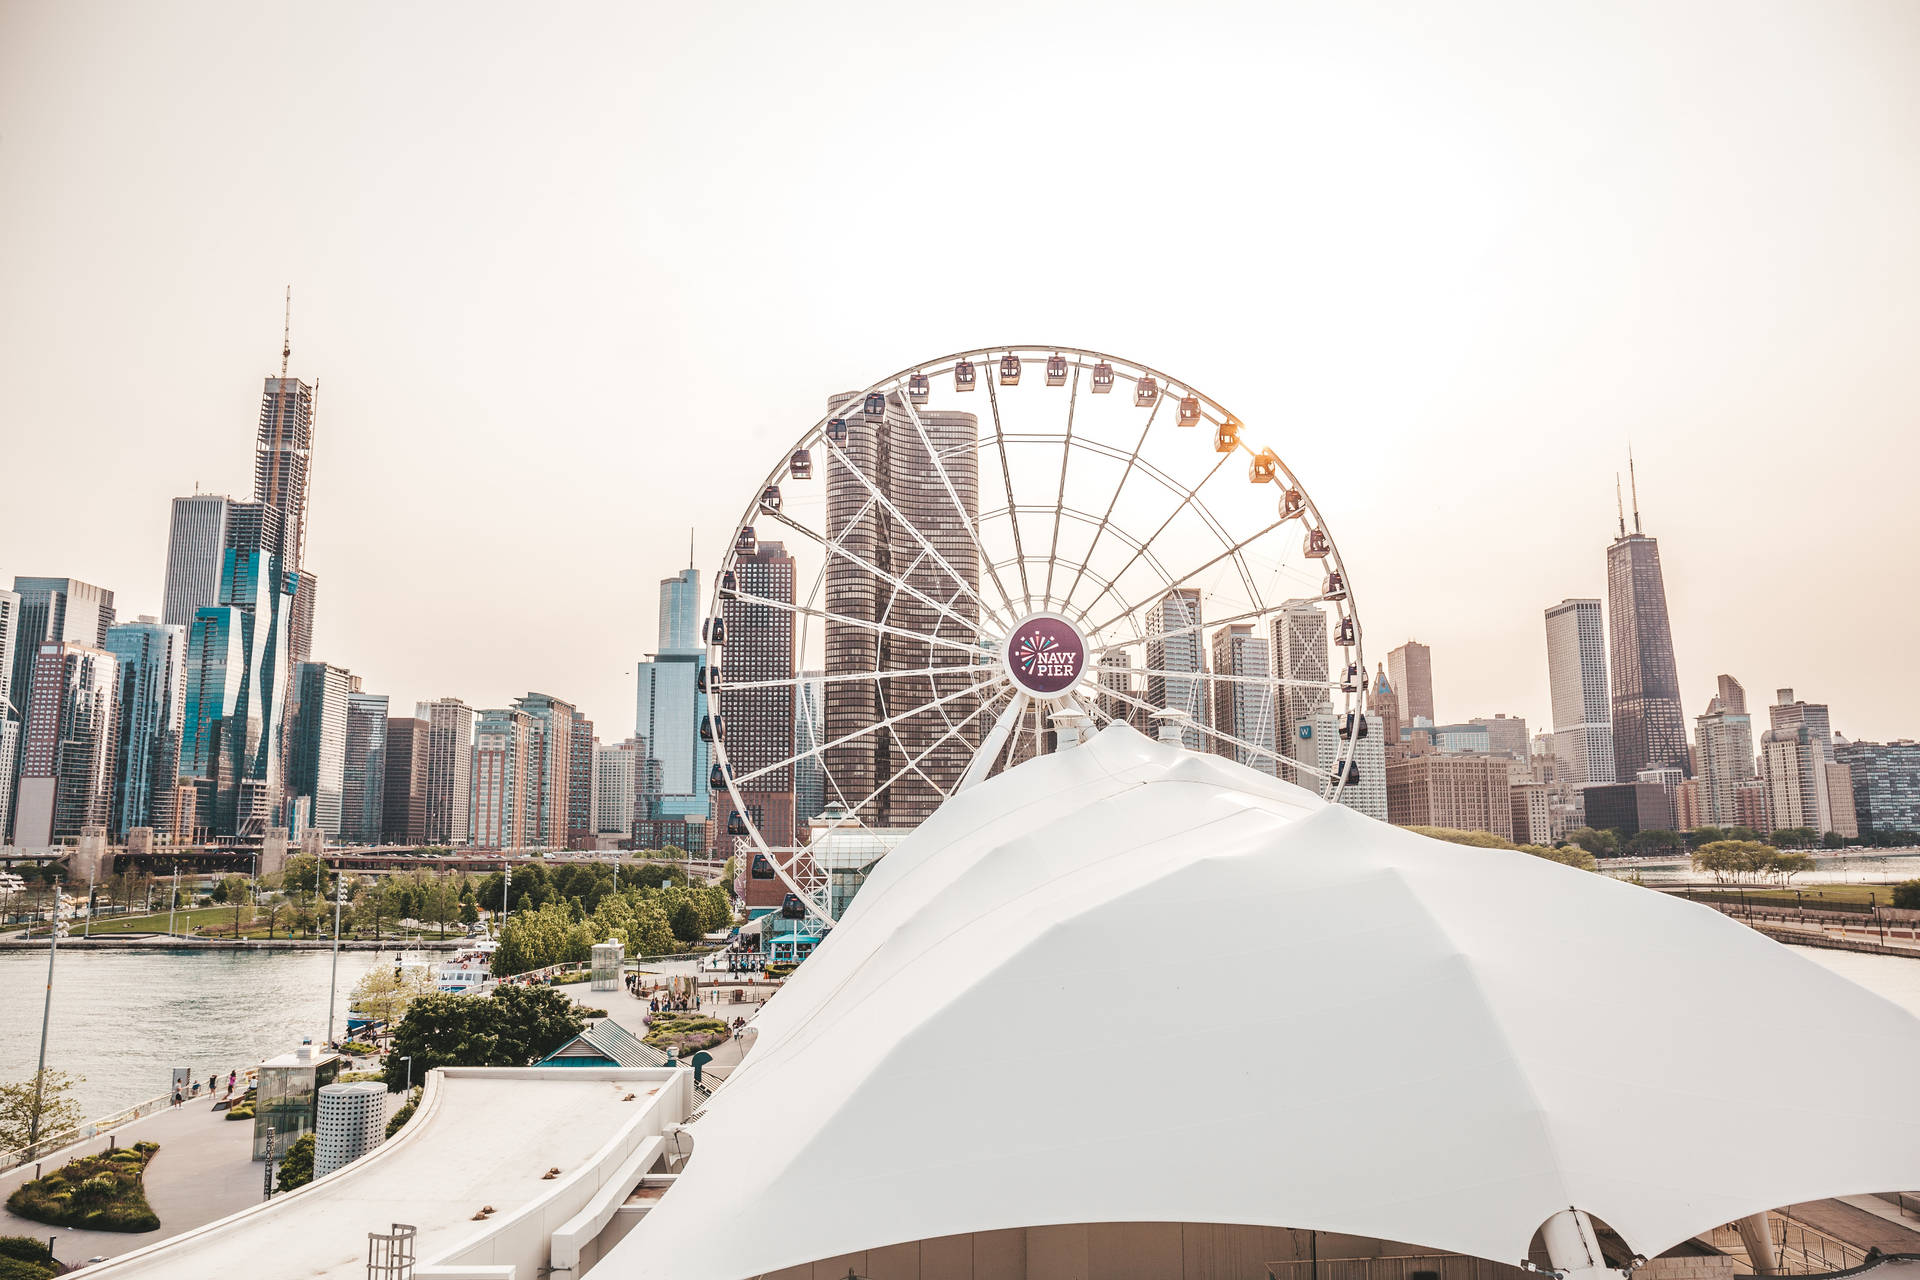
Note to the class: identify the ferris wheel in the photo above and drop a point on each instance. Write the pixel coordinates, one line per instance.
(990, 556)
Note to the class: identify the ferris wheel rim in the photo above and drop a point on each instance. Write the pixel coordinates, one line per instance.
(994, 622)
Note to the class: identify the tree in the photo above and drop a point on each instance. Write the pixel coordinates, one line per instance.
(1733, 859)
(1601, 844)
(533, 1022)
(275, 910)
(438, 905)
(685, 921)
(1793, 838)
(296, 1167)
(387, 991)
(58, 1112)
(469, 913)
(1654, 843)
(514, 1027)
(1906, 895)
(1788, 865)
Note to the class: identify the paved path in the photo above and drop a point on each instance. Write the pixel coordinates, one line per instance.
(204, 1170)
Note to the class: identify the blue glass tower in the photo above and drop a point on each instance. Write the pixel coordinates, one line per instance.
(149, 705)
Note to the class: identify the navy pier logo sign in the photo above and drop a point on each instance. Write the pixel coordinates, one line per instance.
(1046, 655)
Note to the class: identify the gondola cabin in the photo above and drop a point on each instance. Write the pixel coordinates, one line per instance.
(800, 466)
(1316, 546)
(710, 728)
(1146, 391)
(837, 430)
(762, 868)
(1056, 371)
(963, 376)
(1226, 437)
(1009, 370)
(1335, 587)
(1189, 411)
(770, 498)
(1264, 467)
(736, 825)
(919, 388)
(876, 406)
(1102, 378)
(1292, 504)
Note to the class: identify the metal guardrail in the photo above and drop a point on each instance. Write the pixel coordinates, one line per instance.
(92, 1129)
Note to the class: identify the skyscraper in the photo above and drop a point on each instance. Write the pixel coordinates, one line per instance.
(1724, 738)
(757, 723)
(319, 754)
(1117, 698)
(1506, 735)
(1885, 777)
(1577, 676)
(1243, 706)
(1300, 650)
(552, 768)
(580, 783)
(54, 609)
(363, 770)
(150, 707)
(505, 742)
(1176, 660)
(669, 708)
(1788, 712)
(1463, 792)
(616, 795)
(1649, 729)
(1411, 670)
(809, 779)
(1385, 703)
(403, 806)
(66, 765)
(1795, 773)
(891, 456)
(11, 716)
(196, 548)
(239, 680)
(449, 769)
(680, 608)
(1369, 794)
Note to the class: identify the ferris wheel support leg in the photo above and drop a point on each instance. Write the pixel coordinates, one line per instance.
(1573, 1248)
(996, 742)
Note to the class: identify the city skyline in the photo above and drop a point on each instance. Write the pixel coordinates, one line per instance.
(430, 367)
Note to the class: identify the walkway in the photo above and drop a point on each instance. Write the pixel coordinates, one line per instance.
(203, 1171)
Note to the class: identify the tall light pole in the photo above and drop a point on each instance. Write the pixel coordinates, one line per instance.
(173, 896)
(506, 885)
(46, 1017)
(333, 981)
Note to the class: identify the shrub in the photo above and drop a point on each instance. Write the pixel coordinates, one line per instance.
(404, 1114)
(1907, 894)
(296, 1167)
(685, 1034)
(103, 1192)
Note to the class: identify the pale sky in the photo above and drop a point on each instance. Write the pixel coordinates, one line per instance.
(573, 277)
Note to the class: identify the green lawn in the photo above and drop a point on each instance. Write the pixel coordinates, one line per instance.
(185, 920)
(1812, 895)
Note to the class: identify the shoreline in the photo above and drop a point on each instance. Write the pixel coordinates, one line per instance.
(162, 942)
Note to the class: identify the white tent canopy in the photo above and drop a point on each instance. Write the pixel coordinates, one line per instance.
(1131, 983)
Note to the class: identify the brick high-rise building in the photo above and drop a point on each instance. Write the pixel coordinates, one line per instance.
(758, 722)
(66, 763)
(890, 455)
(449, 769)
(506, 741)
(1462, 792)
(1410, 667)
(1649, 729)
(11, 715)
(51, 610)
(1723, 738)
(1506, 736)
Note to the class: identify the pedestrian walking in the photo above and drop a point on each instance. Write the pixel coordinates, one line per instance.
(176, 1097)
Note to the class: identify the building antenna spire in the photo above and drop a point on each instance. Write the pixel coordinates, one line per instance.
(286, 336)
(1618, 505)
(689, 546)
(1634, 484)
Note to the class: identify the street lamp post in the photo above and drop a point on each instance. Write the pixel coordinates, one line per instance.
(173, 897)
(46, 1017)
(333, 980)
(408, 1059)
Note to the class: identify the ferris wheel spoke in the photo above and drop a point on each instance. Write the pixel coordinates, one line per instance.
(782, 682)
(1189, 576)
(880, 628)
(1006, 477)
(1133, 461)
(1171, 517)
(996, 741)
(886, 504)
(1240, 743)
(969, 520)
(833, 548)
(1094, 650)
(913, 765)
(973, 687)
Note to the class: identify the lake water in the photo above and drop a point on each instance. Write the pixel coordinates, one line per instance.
(1852, 868)
(124, 1019)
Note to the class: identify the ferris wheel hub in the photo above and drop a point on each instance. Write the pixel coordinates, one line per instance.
(1045, 655)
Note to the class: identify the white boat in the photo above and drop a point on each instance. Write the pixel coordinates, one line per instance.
(471, 971)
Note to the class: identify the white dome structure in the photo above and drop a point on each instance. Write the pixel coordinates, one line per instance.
(1127, 983)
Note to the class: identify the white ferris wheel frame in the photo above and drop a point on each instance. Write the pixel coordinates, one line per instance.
(993, 685)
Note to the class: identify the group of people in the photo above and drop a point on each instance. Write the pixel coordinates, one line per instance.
(213, 1086)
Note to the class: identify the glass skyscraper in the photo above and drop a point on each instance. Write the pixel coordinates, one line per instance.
(150, 707)
(319, 754)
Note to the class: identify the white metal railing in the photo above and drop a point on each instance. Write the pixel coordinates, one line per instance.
(80, 1133)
